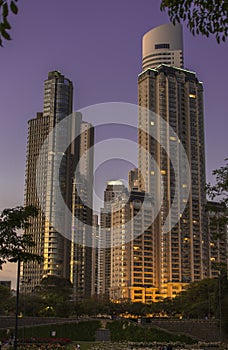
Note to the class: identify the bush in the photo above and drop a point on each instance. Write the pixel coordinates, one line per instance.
(125, 331)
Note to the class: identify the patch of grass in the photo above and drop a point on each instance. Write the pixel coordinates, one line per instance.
(83, 331)
(125, 331)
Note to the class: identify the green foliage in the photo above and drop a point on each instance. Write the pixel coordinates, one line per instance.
(14, 244)
(6, 6)
(75, 331)
(7, 301)
(126, 331)
(206, 17)
(218, 210)
(31, 305)
(201, 299)
(220, 189)
(55, 286)
(51, 298)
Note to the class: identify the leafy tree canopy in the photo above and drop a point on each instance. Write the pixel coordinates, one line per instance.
(7, 301)
(14, 243)
(5, 8)
(220, 189)
(206, 17)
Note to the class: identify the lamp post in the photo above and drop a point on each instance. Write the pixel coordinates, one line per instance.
(17, 304)
(220, 307)
(18, 261)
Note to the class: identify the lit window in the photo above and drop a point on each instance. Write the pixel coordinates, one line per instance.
(192, 95)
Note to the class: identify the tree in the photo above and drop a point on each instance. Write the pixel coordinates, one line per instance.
(56, 293)
(14, 244)
(220, 189)
(5, 300)
(5, 8)
(206, 17)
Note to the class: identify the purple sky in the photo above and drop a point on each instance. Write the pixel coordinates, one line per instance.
(97, 44)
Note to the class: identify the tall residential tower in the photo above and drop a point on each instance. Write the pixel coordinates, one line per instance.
(176, 96)
(58, 94)
(59, 172)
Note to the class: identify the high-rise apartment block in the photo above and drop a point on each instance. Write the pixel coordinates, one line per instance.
(95, 257)
(58, 93)
(176, 96)
(82, 216)
(113, 189)
(54, 246)
(132, 248)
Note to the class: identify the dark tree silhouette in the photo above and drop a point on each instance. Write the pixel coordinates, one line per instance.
(5, 8)
(206, 17)
(14, 243)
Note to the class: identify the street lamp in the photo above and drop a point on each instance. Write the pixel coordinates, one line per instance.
(16, 259)
(220, 307)
(17, 304)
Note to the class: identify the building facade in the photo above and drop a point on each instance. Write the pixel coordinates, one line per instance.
(82, 216)
(176, 96)
(58, 95)
(113, 189)
(132, 249)
(71, 177)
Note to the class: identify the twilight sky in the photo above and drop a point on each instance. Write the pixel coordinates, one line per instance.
(97, 44)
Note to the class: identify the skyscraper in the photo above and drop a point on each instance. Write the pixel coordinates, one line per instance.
(95, 257)
(38, 129)
(176, 95)
(58, 92)
(58, 248)
(132, 248)
(82, 219)
(113, 189)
